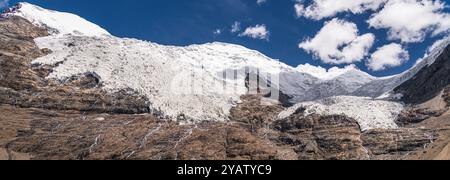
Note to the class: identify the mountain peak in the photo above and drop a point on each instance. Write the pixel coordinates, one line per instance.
(58, 23)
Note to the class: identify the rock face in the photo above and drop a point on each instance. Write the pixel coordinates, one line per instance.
(446, 95)
(397, 144)
(24, 85)
(318, 137)
(340, 137)
(46, 134)
(17, 50)
(429, 82)
(412, 116)
(252, 112)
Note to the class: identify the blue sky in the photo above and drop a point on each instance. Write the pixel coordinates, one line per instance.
(184, 22)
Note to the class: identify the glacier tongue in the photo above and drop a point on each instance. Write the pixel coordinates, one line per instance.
(370, 113)
(58, 23)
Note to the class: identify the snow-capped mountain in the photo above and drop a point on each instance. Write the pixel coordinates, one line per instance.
(58, 23)
(196, 82)
(335, 82)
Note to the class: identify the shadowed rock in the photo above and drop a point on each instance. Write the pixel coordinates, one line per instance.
(429, 82)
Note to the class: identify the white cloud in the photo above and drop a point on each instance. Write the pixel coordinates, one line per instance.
(411, 20)
(4, 3)
(338, 43)
(217, 32)
(388, 56)
(322, 73)
(260, 2)
(320, 9)
(236, 27)
(438, 43)
(256, 32)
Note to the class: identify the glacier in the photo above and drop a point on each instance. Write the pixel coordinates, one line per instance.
(369, 113)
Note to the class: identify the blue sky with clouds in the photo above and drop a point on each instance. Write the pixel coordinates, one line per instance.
(382, 37)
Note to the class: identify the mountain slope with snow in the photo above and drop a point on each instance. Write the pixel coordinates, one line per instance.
(58, 23)
(181, 82)
(198, 82)
(385, 85)
(203, 82)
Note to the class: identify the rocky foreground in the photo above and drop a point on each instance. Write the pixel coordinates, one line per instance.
(76, 119)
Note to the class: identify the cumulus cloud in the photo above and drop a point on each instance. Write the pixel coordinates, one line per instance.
(4, 3)
(322, 73)
(388, 56)
(411, 20)
(260, 2)
(338, 43)
(320, 9)
(256, 32)
(236, 27)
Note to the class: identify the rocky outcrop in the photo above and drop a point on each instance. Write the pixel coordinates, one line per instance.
(397, 143)
(254, 113)
(340, 137)
(429, 82)
(17, 50)
(319, 137)
(411, 116)
(446, 95)
(25, 85)
(46, 134)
